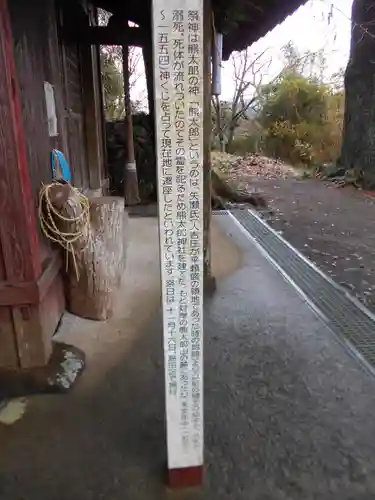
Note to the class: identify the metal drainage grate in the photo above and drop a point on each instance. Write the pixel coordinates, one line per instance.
(344, 314)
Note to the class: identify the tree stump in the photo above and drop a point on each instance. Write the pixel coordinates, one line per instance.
(95, 248)
(101, 263)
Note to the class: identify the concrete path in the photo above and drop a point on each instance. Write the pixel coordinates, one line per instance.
(288, 413)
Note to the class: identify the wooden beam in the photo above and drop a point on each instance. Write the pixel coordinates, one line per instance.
(106, 35)
(30, 292)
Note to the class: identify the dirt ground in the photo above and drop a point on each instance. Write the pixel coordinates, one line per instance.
(333, 227)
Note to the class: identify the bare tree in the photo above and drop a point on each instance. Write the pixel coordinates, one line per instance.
(311, 64)
(248, 70)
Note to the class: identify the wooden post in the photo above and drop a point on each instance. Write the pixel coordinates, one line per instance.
(149, 72)
(131, 191)
(209, 280)
(178, 74)
(96, 264)
(91, 102)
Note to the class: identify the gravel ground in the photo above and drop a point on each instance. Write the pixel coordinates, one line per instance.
(333, 227)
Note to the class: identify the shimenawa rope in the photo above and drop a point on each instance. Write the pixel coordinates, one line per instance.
(47, 214)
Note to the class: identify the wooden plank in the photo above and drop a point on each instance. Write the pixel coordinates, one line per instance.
(17, 293)
(77, 149)
(8, 345)
(178, 75)
(49, 274)
(30, 292)
(8, 351)
(18, 230)
(74, 114)
(35, 324)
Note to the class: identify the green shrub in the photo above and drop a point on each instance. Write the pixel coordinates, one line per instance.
(302, 120)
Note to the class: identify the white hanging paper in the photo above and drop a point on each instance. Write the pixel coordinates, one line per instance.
(51, 109)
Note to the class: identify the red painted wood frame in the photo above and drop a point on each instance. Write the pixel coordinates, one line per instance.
(18, 235)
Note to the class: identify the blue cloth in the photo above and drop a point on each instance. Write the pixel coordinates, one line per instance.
(60, 166)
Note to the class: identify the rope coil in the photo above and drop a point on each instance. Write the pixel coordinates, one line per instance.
(49, 217)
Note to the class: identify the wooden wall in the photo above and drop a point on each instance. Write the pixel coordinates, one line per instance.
(32, 52)
(30, 33)
(74, 113)
(25, 285)
(41, 55)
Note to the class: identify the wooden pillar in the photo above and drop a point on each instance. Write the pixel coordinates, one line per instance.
(92, 111)
(25, 313)
(149, 72)
(102, 113)
(131, 192)
(178, 71)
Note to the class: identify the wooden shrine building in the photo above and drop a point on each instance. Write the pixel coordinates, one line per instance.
(51, 98)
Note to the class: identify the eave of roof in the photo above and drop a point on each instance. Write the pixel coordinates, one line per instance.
(242, 22)
(246, 21)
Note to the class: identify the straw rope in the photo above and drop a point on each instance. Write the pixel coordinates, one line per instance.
(49, 217)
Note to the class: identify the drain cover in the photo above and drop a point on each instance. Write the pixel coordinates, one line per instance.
(344, 314)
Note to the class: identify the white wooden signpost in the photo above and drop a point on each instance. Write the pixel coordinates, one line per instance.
(178, 78)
